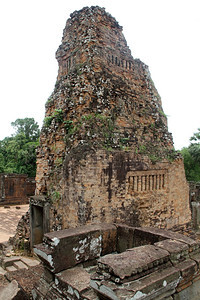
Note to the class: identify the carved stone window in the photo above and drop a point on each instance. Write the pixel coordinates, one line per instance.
(145, 181)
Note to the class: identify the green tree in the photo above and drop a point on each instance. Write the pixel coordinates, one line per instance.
(28, 127)
(18, 152)
(196, 136)
(191, 157)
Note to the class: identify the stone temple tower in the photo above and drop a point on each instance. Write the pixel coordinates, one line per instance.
(105, 152)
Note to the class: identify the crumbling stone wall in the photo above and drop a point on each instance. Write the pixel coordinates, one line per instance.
(21, 239)
(105, 152)
(15, 188)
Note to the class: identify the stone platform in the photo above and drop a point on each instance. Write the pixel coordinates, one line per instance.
(118, 262)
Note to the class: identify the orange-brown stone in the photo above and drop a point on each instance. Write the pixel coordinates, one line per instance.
(105, 152)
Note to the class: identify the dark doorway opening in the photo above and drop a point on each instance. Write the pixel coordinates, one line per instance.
(37, 224)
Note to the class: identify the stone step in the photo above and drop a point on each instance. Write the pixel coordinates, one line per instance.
(11, 269)
(8, 261)
(20, 265)
(30, 262)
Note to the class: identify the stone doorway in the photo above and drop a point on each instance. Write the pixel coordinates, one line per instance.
(39, 219)
(37, 224)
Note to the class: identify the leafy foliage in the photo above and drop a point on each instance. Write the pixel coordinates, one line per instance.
(18, 152)
(58, 116)
(28, 127)
(192, 158)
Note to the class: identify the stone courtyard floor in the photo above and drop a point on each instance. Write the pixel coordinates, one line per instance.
(18, 274)
(9, 218)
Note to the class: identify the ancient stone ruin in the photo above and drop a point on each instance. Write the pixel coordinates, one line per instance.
(107, 261)
(109, 184)
(105, 153)
(15, 189)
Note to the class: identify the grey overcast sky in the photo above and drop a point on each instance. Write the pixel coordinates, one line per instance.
(164, 34)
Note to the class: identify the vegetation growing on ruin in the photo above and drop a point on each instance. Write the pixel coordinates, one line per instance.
(58, 116)
(96, 129)
(18, 152)
(191, 156)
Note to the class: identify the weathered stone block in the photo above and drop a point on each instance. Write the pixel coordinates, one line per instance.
(2, 271)
(144, 272)
(157, 234)
(73, 282)
(158, 285)
(196, 258)
(66, 248)
(178, 250)
(133, 261)
(90, 295)
(187, 268)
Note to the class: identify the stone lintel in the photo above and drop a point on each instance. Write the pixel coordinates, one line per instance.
(133, 261)
(38, 200)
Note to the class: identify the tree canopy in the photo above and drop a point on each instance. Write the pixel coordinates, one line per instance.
(191, 156)
(18, 152)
